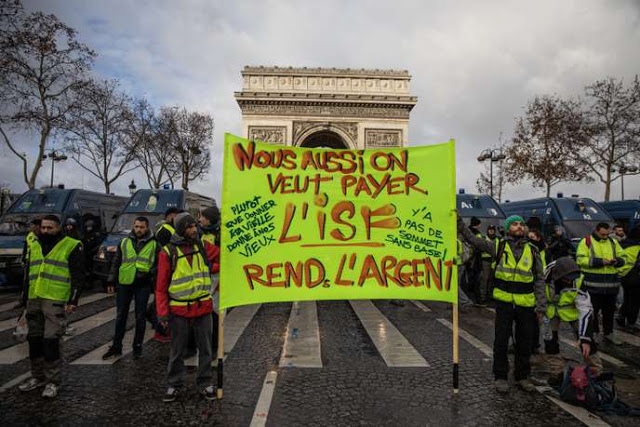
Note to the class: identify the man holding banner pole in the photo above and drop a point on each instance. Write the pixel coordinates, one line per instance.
(520, 298)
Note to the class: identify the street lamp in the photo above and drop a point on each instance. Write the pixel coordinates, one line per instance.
(55, 156)
(132, 187)
(494, 155)
(624, 169)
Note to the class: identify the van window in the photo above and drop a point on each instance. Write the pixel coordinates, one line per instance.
(45, 201)
(148, 201)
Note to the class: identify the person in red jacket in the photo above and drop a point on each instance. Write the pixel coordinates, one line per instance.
(184, 303)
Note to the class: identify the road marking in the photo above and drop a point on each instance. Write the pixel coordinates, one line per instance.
(261, 412)
(95, 357)
(11, 323)
(14, 382)
(394, 348)
(421, 306)
(234, 325)
(302, 341)
(586, 417)
(485, 349)
(604, 356)
(628, 338)
(9, 305)
(20, 351)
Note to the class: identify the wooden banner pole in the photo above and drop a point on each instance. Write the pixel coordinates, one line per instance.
(455, 349)
(220, 352)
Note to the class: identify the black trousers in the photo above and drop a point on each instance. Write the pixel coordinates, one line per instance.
(524, 318)
(631, 305)
(605, 303)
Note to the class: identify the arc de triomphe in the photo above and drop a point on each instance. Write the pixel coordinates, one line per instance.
(326, 107)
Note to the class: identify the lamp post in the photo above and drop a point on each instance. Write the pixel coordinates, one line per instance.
(55, 156)
(624, 169)
(493, 155)
(132, 187)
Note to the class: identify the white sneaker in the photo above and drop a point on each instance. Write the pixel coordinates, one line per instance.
(50, 391)
(31, 384)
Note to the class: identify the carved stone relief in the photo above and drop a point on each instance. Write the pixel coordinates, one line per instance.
(382, 138)
(273, 134)
(324, 110)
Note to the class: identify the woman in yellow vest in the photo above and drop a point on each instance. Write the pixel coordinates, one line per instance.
(56, 276)
(567, 302)
(630, 275)
(133, 269)
(519, 295)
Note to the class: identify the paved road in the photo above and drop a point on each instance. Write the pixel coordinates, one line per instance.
(325, 363)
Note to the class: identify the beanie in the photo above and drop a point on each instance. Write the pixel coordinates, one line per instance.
(212, 214)
(182, 221)
(475, 221)
(511, 220)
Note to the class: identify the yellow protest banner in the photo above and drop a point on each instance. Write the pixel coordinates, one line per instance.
(313, 224)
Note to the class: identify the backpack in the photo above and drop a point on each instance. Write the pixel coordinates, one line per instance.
(578, 387)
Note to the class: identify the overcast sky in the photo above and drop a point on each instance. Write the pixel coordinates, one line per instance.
(474, 63)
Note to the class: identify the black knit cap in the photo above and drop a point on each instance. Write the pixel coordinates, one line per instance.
(475, 221)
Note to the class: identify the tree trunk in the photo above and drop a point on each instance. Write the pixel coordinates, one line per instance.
(107, 187)
(548, 189)
(607, 185)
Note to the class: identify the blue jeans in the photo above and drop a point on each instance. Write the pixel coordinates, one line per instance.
(140, 292)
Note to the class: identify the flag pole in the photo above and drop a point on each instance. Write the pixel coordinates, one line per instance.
(220, 352)
(455, 348)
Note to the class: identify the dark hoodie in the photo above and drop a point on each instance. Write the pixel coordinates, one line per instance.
(145, 279)
(633, 276)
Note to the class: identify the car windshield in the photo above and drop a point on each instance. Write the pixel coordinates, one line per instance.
(579, 229)
(124, 225)
(41, 201)
(151, 201)
(16, 225)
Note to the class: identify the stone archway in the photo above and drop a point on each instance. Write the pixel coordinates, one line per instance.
(324, 139)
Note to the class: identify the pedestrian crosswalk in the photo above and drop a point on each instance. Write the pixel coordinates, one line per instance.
(302, 339)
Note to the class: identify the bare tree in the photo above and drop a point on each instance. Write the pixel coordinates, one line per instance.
(41, 64)
(540, 149)
(613, 141)
(98, 137)
(190, 138)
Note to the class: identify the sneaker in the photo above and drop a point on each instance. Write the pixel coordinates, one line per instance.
(171, 395)
(50, 391)
(161, 338)
(111, 353)
(31, 384)
(137, 353)
(612, 339)
(502, 386)
(527, 385)
(209, 393)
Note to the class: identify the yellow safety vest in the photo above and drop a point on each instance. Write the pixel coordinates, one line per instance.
(565, 307)
(598, 277)
(485, 256)
(189, 282)
(543, 258)
(208, 237)
(31, 237)
(513, 280)
(631, 255)
(49, 275)
(166, 226)
(132, 261)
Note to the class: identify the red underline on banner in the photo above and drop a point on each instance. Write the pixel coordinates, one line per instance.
(365, 244)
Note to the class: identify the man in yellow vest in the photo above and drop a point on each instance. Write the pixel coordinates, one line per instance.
(209, 222)
(56, 276)
(630, 275)
(165, 230)
(599, 257)
(184, 303)
(567, 302)
(519, 295)
(133, 268)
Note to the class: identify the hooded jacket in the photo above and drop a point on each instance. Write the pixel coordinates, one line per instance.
(197, 309)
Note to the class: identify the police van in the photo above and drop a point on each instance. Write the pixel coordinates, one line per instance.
(624, 212)
(151, 204)
(483, 207)
(81, 205)
(577, 215)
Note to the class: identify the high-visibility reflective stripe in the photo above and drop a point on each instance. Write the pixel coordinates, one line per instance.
(526, 273)
(56, 263)
(35, 262)
(127, 260)
(186, 279)
(602, 284)
(55, 277)
(191, 291)
(592, 251)
(514, 287)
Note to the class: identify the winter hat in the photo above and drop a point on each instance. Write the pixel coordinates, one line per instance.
(182, 221)
(475, 221)
(212, 214)
(511, 220)
(565, 267)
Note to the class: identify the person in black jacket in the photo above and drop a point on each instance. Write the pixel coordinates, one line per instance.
(630, 281)
(164, 230)
(133, 268)
(559, 245)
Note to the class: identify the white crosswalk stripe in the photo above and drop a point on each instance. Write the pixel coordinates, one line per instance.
(95, 357)
(302, 341)
(11, 323)
(394, 348)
